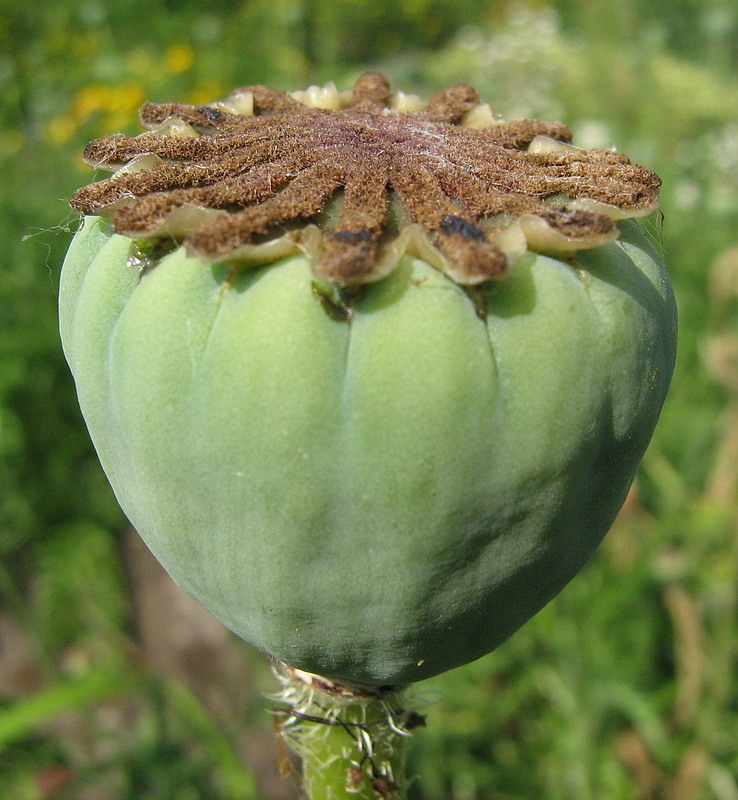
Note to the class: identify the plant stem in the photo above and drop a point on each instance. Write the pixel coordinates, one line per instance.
(352, 741)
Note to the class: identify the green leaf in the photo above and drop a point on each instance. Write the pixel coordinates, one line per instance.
(236, 782)
(26, 715)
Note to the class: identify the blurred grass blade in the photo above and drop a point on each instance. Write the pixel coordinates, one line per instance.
(25, 715)
(237, 783)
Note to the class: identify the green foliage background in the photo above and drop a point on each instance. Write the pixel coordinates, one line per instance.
(624, 687)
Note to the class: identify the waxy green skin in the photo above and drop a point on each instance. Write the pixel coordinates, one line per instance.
(382, 500)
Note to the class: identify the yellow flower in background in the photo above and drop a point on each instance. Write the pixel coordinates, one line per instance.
(115, 106)
(125, 99)
(60, 129)
(89, 99)
(178, 58)
(204, 92)
(118, 102)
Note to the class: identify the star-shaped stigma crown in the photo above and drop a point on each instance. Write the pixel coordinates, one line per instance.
(359, 178)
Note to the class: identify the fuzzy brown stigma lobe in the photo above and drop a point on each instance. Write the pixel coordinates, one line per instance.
(229, 176)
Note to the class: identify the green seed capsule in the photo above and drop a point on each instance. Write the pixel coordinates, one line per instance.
(375, 445)
(381, 495)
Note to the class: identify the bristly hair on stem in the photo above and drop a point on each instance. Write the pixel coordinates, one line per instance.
(351, 741)
(230, 175)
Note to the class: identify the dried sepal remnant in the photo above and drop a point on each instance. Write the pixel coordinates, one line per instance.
(355, 736)
(228, 176)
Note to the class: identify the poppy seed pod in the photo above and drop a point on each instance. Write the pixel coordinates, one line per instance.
(371, 377)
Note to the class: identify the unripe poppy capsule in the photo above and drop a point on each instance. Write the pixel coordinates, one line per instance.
(371, 377)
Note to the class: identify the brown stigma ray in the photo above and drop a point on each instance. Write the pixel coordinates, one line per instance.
(230, 175)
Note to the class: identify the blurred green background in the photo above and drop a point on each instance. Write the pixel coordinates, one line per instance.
(115, 686)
